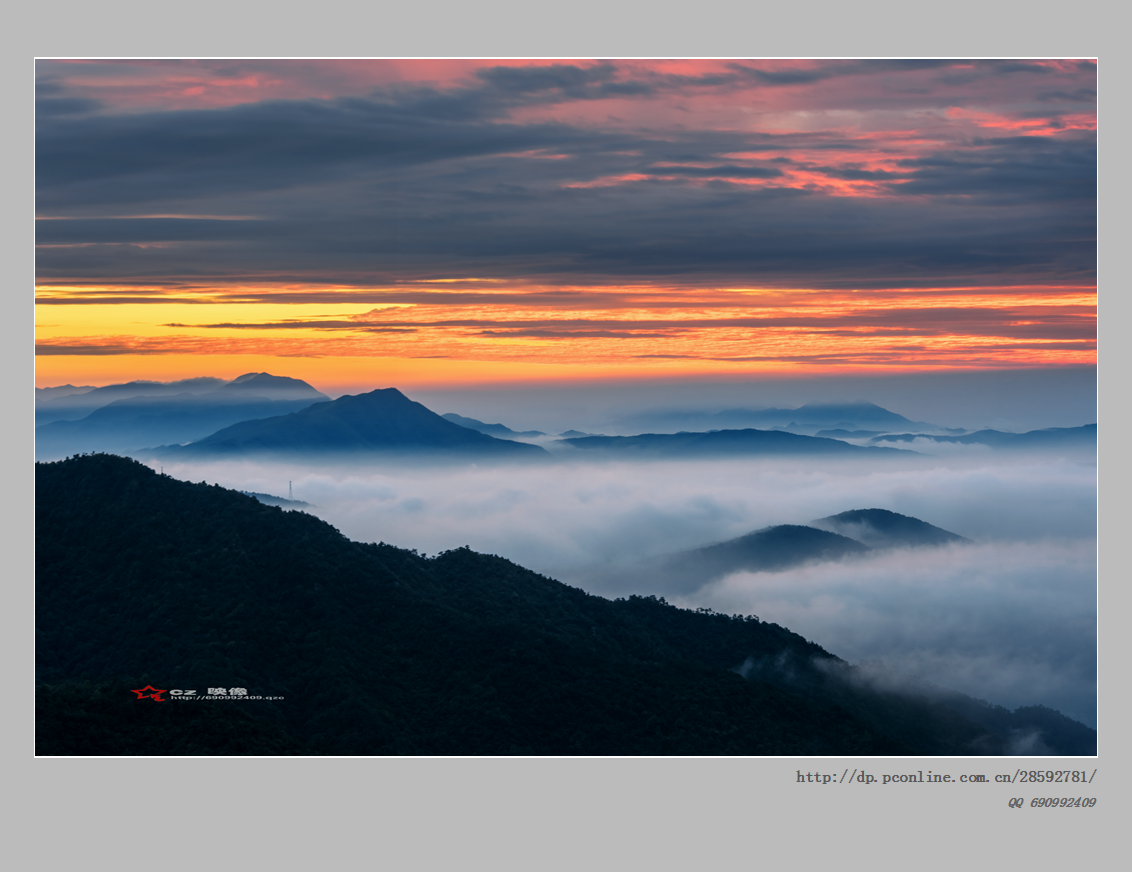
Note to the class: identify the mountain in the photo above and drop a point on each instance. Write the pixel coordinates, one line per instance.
(982, 437)
(714, 443)
(772, 549)
(126, 425)
(42, 394)
(146, 582)
(272, 387)
(859, 414)
(1051, 438)
(847, 434)
(71, 407)
(810, 417)
(786, 546)
(380, 421)
(880, 528)
(257, 386)
(1056, 437)
(497, 430)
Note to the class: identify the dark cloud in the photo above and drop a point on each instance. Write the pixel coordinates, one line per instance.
(856, 174)
(833, 70)
(572, 334)
(86, 231)
(445, 183)
(1080, 95)
(115, 299)
(1000, 323)
(569, 81)
(721, 171)
(46, 107)
(300, 325)
(1026, 168)
(48, 349)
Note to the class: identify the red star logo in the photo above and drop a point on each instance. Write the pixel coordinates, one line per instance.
(154, 695)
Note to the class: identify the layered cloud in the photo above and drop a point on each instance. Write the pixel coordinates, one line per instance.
(898, 178)
(1010, 623)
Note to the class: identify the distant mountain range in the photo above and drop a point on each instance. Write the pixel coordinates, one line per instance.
(255, 414)
(847, 434)
(128, 423)
(716, 443)
(71, 406)
(496, 430)
(1051, 438)
(144, 581)
(42, 394)
(807, 419)
(786, 546)
(381, 421)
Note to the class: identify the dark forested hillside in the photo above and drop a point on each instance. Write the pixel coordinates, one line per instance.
(147, 581)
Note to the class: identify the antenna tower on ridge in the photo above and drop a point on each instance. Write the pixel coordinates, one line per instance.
(290, 495)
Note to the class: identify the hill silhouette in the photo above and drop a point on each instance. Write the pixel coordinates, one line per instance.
(811, 417)
(124, 418)
(715, 443)
(147, 581)
(786, 546)
(67, 403)
(858, 413)
(383, 420)
(847, 434)
(273, 387)
(72, 406)
(127, 425)
(880, 528)
(772, 549)
(1052, 438)
(497, 430)
(51, 393)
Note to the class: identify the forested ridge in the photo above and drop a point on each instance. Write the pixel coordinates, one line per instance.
(143, 579)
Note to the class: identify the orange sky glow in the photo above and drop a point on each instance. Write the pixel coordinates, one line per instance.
(455, 337)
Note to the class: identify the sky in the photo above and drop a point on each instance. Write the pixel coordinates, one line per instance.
(448, 224)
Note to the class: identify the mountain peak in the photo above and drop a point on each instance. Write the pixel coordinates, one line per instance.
(880, 528)
(380, 420)
(272, 386)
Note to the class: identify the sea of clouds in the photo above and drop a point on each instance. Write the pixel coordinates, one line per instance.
(1010, 618)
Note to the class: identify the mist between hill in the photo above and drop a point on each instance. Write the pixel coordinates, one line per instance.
(1010, 618)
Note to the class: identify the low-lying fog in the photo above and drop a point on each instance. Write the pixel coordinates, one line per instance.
(1010, 618)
